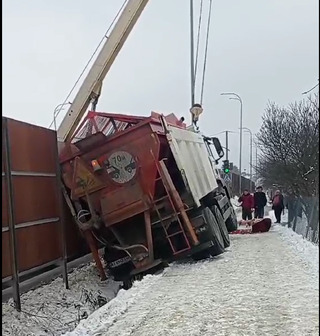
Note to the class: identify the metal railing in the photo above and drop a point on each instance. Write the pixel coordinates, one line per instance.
(303, 217)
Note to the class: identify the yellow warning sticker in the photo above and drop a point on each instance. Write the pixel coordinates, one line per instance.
(84, 181)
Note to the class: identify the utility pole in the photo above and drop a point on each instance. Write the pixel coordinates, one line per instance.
(237, 97)
(251, 144)
(227, 146)
(256, 160)
(192, 54)
(251, 161)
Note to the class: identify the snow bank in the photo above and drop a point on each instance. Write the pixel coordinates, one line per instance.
(54, 310)
(308, 252)
(108, 314)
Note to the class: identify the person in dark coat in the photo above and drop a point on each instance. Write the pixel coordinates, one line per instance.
(260, 201)
(277, 205)
(247, 204)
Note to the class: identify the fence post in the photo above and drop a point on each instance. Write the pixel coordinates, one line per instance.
(64, 259)
(11, 214)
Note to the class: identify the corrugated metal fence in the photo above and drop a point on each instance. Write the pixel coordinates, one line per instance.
(33, 223)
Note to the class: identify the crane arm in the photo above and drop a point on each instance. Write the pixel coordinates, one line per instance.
(91, 87)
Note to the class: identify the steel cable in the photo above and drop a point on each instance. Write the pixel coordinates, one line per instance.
(105, 36)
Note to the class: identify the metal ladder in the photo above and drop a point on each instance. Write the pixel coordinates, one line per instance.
(174, 216)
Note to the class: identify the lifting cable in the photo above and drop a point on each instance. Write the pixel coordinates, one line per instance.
(206, 53)
(197, 47)
(105, 36)
(206, 49)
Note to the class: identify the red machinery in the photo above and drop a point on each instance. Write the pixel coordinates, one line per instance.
(121, 173)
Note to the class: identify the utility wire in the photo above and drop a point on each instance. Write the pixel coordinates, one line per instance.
(206, 52)
(198, 43)
(105, 36)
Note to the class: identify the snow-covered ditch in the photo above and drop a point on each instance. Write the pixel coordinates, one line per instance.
(108, 314)
(54, 310)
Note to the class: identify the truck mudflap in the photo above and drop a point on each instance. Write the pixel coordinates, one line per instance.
(194, 250)
(149, 268)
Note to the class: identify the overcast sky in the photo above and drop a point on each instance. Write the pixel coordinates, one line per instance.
(261, 49)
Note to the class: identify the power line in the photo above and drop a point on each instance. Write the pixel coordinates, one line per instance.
(198, 43)
(206, 53)
(105, 36)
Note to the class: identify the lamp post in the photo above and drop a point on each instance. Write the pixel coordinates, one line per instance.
(306, 92)
(56, 111)
(237, 97)
(256, 160)
(251, 144)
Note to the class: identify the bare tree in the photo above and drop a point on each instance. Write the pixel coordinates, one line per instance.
(289, 142)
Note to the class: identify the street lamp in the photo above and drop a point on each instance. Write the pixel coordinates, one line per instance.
(251, 143)
(237, 97)
(56, 112)
(306, 92)
(256, 160)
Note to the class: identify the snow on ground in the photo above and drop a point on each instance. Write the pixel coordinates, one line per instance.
(260, 286)
(265, 284)
(54, 310)
(307, 251)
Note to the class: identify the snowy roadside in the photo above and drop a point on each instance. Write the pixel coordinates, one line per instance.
(118, 308)
(54, 310)
(146, 309)
(112, 311)
(308, 252)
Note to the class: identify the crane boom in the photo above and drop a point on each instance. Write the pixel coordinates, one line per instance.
(91, 87)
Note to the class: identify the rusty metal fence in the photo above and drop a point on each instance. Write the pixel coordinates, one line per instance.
(33, 214)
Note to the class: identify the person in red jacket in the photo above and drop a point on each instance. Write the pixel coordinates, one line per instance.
(247, 204)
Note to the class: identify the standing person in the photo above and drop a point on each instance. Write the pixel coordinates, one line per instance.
(291, 205)
(277, 205)
(247, 204)
(260, 201)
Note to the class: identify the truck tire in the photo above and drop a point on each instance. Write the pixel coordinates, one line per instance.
(201, 255)
(231, 222)
(216, 237)
(223, 228)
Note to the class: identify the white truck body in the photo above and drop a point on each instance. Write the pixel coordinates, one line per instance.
(192, 158)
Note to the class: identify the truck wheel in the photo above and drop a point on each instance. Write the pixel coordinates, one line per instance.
(223, 229)
(201, 255)
(216, 237)
(231, 222)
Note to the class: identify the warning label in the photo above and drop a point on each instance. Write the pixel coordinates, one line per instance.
(84, 181)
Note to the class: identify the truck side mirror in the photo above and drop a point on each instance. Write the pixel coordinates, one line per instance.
(218, 147)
